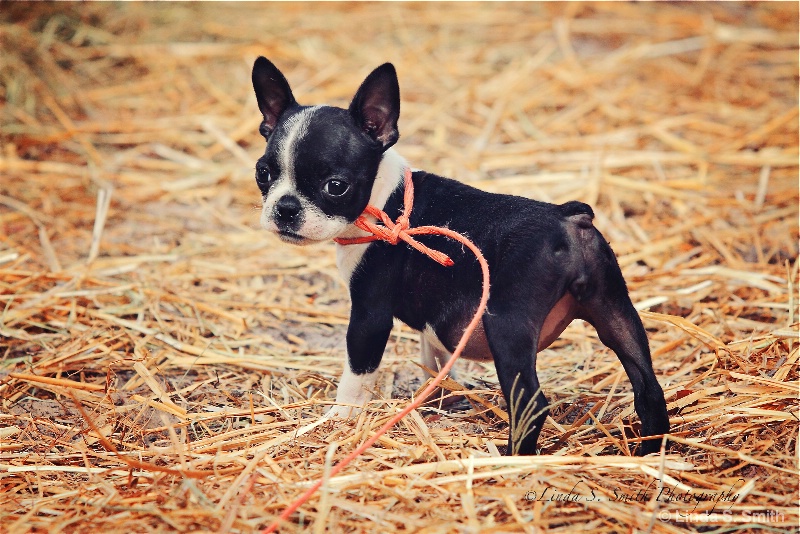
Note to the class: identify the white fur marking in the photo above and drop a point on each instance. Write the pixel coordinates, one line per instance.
(296, 127)
(353, 389)
(433, 354)
(433, 339)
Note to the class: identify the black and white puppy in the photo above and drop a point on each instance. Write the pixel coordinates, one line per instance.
(548, 263)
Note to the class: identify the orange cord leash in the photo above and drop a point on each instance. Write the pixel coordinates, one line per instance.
(392, 232)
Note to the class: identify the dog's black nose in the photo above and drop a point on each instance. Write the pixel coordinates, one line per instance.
(287, 209)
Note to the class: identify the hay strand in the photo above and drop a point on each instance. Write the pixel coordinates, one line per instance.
(165, 363)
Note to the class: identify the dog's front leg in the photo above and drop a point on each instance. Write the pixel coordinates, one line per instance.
(367, 334)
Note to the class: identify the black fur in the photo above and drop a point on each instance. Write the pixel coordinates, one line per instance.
(536, 252)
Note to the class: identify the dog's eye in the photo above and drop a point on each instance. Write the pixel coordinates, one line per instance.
(336, 188)
(262, 176)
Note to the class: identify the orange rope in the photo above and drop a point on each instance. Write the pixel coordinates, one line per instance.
(392, 232)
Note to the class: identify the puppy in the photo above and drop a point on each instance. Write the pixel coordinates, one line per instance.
(548, 263)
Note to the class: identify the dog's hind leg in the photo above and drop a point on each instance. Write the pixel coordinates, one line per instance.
(609, 309)
(434, 355)
(621, 330)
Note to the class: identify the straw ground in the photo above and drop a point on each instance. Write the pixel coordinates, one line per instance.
(164, 360)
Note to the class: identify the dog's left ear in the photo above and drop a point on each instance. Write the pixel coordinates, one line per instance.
(376, 106)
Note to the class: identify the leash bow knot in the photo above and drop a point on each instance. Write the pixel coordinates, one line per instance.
(395, 231)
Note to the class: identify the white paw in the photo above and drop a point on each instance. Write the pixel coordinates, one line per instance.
(354, 392)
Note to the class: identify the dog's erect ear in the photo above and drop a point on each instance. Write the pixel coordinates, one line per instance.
(376, 106)
(272, 92)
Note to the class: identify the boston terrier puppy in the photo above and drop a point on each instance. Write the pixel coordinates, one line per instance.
(548, 263)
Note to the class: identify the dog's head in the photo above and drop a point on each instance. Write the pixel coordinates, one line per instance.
(317, 172)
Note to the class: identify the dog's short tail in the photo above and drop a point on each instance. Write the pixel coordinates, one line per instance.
(576, 210)
(580, 215)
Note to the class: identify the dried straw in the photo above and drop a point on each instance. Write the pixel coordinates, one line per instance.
(165, 362)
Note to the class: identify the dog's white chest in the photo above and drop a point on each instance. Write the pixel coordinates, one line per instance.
(348, 257)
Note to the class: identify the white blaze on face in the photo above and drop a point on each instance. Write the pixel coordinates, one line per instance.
(316, 225)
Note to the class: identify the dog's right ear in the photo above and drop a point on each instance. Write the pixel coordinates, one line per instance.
(272, 92)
